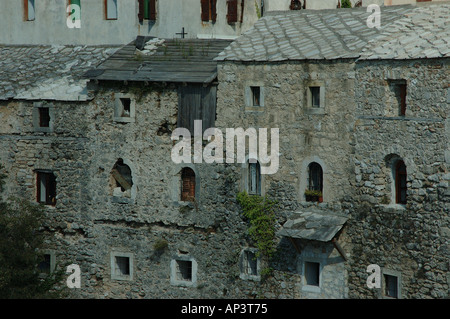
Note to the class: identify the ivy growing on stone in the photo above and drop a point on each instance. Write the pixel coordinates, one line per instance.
(259, 211)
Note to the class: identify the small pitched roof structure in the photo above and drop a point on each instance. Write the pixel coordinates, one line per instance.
(38, 72)
(407, 31)
(313, 225)
(162, 60)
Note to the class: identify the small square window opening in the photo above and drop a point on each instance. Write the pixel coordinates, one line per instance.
(122, 266)
(126, 107)
(184, 270)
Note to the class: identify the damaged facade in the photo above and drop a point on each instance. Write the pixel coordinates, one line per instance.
(363, 120)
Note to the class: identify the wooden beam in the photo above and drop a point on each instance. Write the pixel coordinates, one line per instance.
(115, 173)
(295, 245)
(339, 248)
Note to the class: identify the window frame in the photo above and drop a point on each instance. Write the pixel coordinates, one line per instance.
(400, 177)
(391, 273)
(254, 166)
(113, 263)
(107, 10)
(188, 173)
(118, 108)
(244, 264)
(27, 10)
(174, 279)
(50, 186)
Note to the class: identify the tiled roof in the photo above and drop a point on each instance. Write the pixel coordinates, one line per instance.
(313, 225)
(339, 33)
(47, 72)
(162, 60)
(423, 33)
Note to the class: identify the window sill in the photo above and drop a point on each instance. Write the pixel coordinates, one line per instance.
(393, 208)
(309, 288)
(254, 109)
(250, 277)
(315, 110)
(124, 119)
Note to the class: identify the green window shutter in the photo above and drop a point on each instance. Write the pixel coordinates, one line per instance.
(77, 2)
(146, 7)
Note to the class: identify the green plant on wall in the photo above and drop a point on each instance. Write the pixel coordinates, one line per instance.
(259, 211)
(346, 4)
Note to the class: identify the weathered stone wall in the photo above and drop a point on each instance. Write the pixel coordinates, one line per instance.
(322, 135)
(412, 239)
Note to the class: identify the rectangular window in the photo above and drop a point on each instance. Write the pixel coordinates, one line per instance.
(126, 107)
(44, 265)
(254, 178)
(122, 266)
(30, 12)
(391, 286)
(46, 188)
(209, 12)
(312, 273)
(147, 10)
(232, 14)
(256, 95)
(315, 96)
(251, 263)
(44, 117)
(401, 92)
(111, 9)
(184, 270)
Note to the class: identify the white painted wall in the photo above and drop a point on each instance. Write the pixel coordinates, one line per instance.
(50, 26)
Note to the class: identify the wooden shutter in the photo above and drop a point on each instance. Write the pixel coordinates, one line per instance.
(232, 14)
(152, 8)
(141, 10)
(400, 182)
(213, 10)
(205, 10)
(188, 184)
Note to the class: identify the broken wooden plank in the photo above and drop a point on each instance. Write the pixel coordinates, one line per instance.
(120, 179)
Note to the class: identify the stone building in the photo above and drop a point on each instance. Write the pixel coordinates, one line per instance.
(363, 121)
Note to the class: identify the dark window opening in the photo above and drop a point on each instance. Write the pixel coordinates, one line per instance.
(122, 175)
(252, 263)
(312, 273)
(254, 178)
(315, 183)
(184, 270)
(401, 96)
(400, 182)
(46, 188)
(315, 96)
(256, 95)
(126, 107)
(296, 5)
(187, 184)
(44, 117)
(391, 286)
(122, 266)
(44, 265)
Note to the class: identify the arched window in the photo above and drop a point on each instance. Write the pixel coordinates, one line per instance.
(187, 184)
(254, 178)
(122, 179)
(400, 182)
(315, 182)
